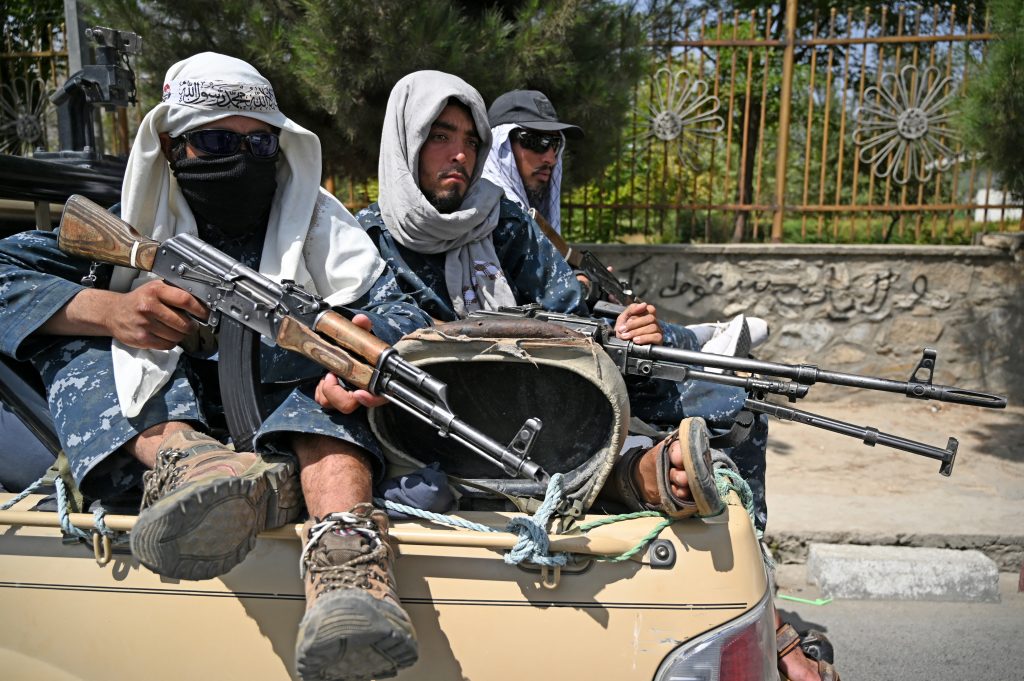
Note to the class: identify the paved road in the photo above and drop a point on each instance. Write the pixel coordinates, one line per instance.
(829, 488)
(915, 641)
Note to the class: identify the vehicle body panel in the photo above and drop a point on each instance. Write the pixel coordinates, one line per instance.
(63, 616)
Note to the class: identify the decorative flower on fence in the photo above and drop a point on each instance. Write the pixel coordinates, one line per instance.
(22, 106)
(902, 130)
(681, 113)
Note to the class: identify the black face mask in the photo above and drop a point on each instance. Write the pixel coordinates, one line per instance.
(231, 193)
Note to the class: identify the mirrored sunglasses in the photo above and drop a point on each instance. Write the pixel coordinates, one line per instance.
(227, 142)
(537, 142)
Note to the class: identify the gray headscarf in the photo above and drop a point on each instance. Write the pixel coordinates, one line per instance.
(472, 272)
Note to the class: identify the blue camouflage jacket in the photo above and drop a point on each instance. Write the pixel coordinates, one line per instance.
(535, 271)
(37, 279)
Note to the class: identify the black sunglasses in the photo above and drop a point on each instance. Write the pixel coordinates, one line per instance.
(227, 142)
(537, 142)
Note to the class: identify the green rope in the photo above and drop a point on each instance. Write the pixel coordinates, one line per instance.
(644, 541)
(726, 479)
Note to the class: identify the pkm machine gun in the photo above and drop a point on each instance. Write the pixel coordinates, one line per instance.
(658, 362)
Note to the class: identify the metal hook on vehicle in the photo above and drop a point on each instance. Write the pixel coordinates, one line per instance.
(549, 579)
(101, 548)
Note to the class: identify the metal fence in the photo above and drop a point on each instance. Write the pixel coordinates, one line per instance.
(836, 128)
(751, 126)
(33, 64)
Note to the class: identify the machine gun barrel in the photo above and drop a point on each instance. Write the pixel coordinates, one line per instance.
(869, 436)
(653, 361)
(809, 374)
(293, 318)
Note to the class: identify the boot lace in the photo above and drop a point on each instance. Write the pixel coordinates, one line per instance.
(164, 477)
(356, 572)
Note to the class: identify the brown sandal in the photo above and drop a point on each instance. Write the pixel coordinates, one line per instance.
(693, 439)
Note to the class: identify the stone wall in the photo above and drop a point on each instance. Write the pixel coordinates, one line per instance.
(861, 309)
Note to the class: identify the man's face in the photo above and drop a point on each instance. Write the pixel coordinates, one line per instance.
(535, 167)
(448, 158)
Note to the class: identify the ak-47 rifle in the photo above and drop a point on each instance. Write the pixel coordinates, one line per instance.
(293, 318)
(655, 361)
(603, 284)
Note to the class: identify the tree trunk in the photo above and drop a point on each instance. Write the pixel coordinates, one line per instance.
(745, 188)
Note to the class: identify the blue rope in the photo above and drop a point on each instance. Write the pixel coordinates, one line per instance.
(435, 517)
(24, 493)
(116, 536)
(533, 544)
(64, 513)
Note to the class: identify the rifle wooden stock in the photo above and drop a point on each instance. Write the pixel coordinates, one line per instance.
(91, 232)
(296, 336)
(351, 337)
(87, 230)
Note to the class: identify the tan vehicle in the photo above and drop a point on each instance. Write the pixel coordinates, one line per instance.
(691, 600)
(695, 603)
(639, 598)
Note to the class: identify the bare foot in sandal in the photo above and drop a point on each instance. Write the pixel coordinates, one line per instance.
(645, 475)
(675, 476)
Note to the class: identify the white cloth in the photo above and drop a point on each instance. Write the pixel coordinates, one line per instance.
(473, 275)
(501, 169)
(311, 238)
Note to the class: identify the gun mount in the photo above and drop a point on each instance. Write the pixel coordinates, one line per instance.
(110, 82)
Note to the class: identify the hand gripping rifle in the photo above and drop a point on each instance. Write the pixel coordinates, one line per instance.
(655, 361)
(293, 318)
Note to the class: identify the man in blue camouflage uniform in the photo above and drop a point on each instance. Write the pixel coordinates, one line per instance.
(131, 391)
(457, 245)
(525, 160)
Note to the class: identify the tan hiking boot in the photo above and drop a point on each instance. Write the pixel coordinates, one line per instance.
(203, 506)
(354, 627)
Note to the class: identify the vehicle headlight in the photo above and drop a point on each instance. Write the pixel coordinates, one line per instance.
(742, 650)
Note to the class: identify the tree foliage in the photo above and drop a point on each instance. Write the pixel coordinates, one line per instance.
(994, 111)
(333, 64)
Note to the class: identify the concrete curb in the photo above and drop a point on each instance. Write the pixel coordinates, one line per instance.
(1007, 551)
(902, 573)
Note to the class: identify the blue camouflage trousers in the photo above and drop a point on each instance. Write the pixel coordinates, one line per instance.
(79, 378)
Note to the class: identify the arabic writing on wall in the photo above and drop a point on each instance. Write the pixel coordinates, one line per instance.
(788, 289)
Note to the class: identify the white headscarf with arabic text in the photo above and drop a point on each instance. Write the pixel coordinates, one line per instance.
(311, 238)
